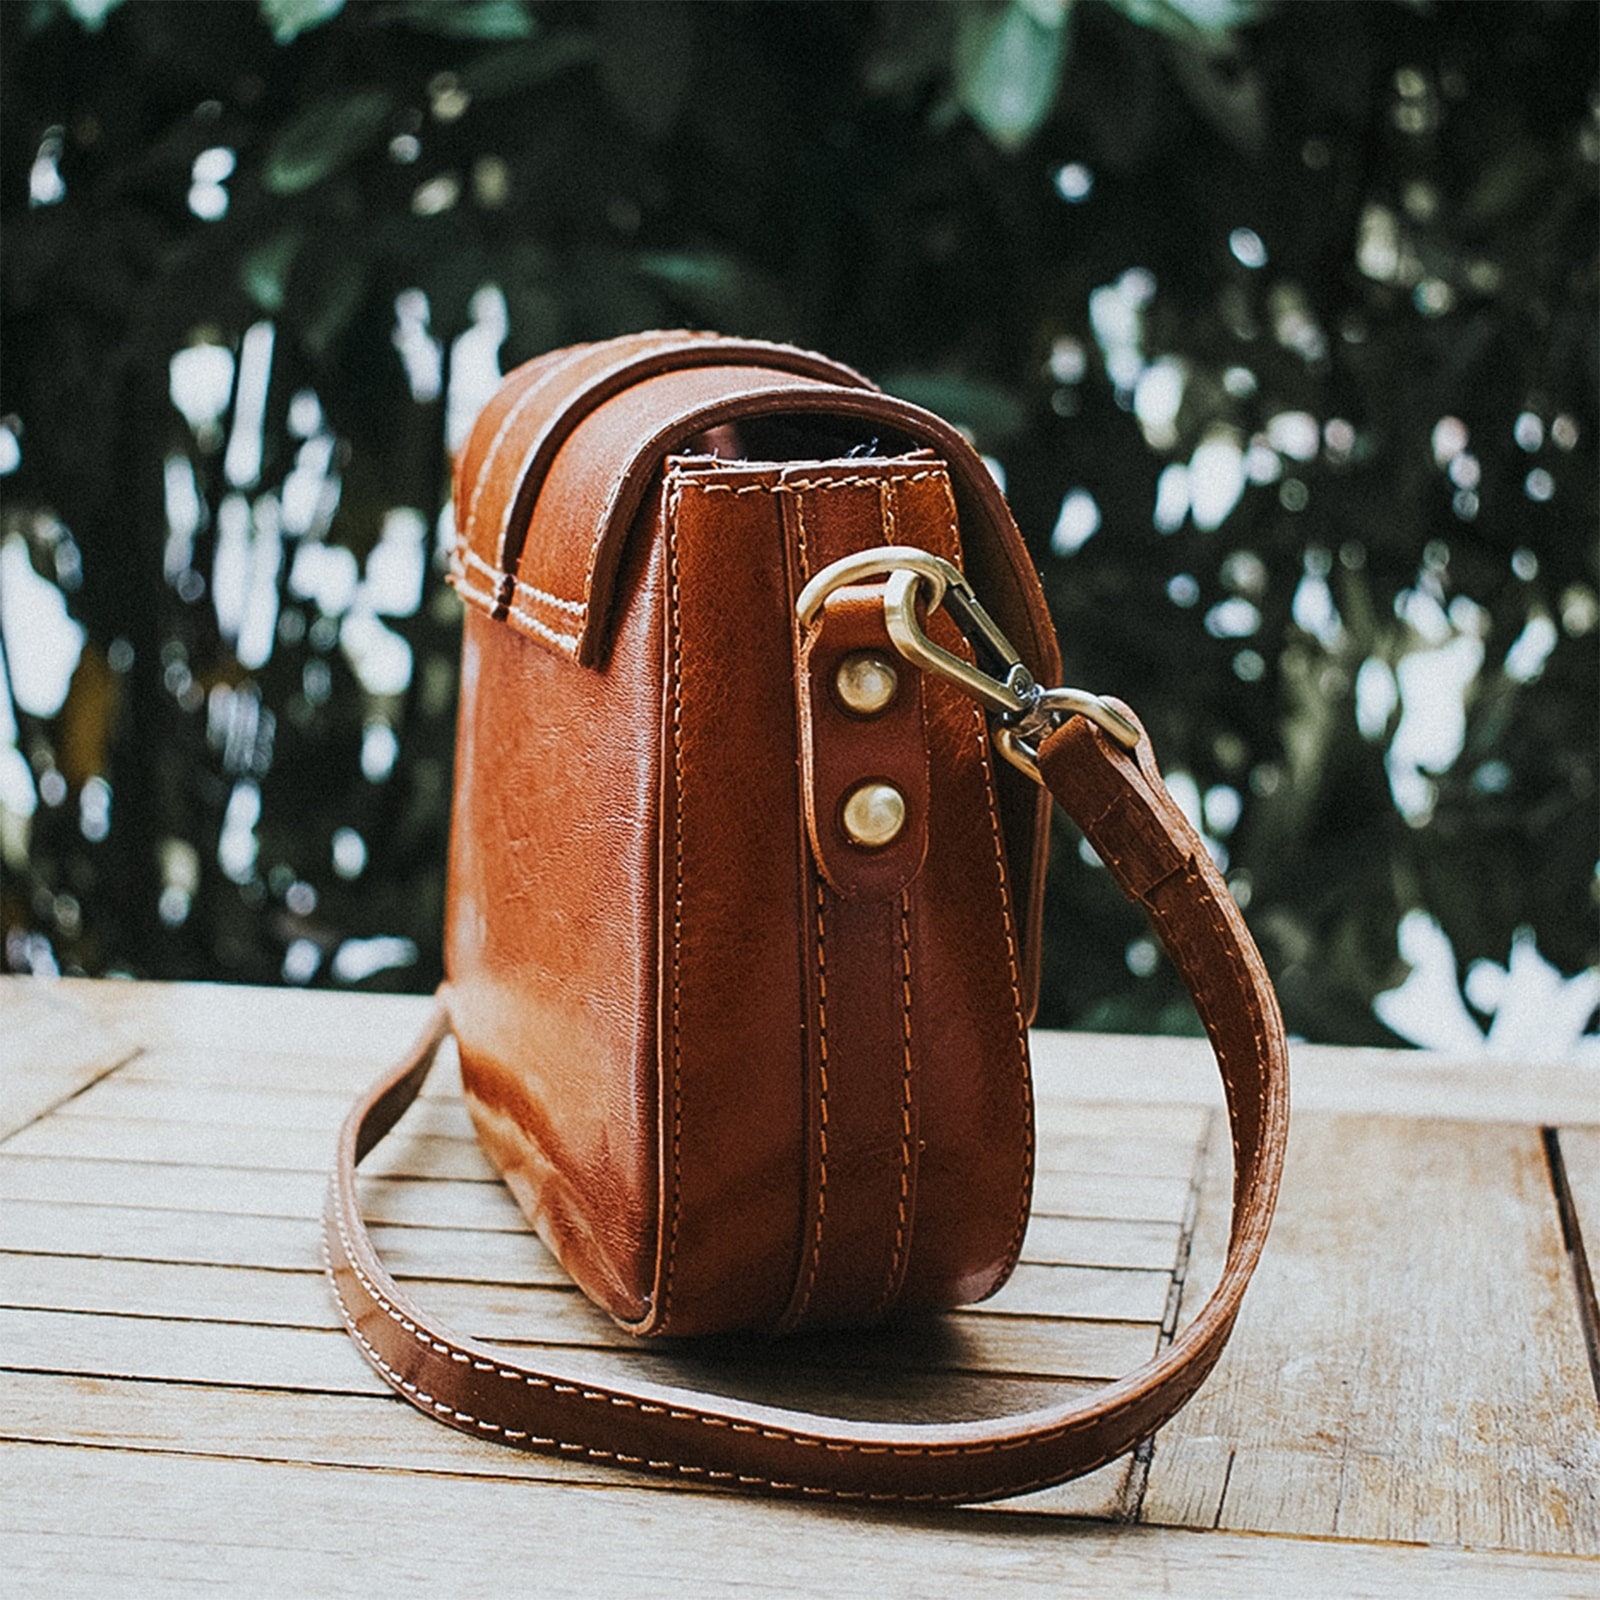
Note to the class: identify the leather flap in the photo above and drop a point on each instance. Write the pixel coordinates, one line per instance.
(543, 587)
(560, 461)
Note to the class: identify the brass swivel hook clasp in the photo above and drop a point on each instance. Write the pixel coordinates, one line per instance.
(1025, 710)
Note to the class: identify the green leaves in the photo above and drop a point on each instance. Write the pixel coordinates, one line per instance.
(288, 19)
(264, 273)
(1007, 66)
(1008, 59)
(323, 138)
(715, 289)
(465, 19)
(514, 68)
(452, 19)
(1190, 19)
(91, 14)
(646, 61)
(333, 301)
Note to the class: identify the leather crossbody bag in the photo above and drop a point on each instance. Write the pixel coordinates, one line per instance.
(758, 739)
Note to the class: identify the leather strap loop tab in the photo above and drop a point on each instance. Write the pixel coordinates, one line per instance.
(840, 751)
(1132, 822)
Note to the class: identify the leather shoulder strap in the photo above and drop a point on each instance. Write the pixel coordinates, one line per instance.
(1119, 801)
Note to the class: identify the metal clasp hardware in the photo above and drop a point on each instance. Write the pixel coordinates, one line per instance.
(1027, 711)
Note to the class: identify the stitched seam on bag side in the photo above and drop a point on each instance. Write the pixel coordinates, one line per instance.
(1024, 1080)
(1008, 926)
(803, 555)
(575, 608)
(526, 619)
(802, 550)
(822, 1113)
(889, 524)
(566, 642)
(674, 498)
(900, 1230)
(464, 586)
(888, 488)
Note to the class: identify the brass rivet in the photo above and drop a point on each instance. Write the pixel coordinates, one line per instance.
(874, 814)
(865, 682)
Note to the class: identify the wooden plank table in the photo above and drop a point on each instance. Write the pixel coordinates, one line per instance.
(1408, 1404)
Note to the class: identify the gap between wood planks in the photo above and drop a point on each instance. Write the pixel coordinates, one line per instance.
(1130, 1502)
(1409, 1362)
(29, 1098)
(1577, 1251)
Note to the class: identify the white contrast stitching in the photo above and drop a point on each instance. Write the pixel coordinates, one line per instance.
(822, 1115)
(888, 488)
(798, 485)
(471, 558)
(567, 641)
(574, 608)
(674, 624)
(801, 550)
(463, 585)
(905, 1106)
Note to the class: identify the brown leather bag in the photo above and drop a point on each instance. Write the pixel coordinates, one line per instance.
(744, 914)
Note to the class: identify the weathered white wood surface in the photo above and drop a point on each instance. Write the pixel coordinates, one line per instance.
(1407, 1395)
(1402, 1083)
(1409, 1363)
(65, 1049)
(181, 1525)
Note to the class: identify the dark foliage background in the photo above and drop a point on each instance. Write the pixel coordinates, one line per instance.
(1149, 252)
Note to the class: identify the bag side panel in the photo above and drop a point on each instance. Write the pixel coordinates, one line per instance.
(551, 944)
(975, 1176)
(732, 992)
(950, 946)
